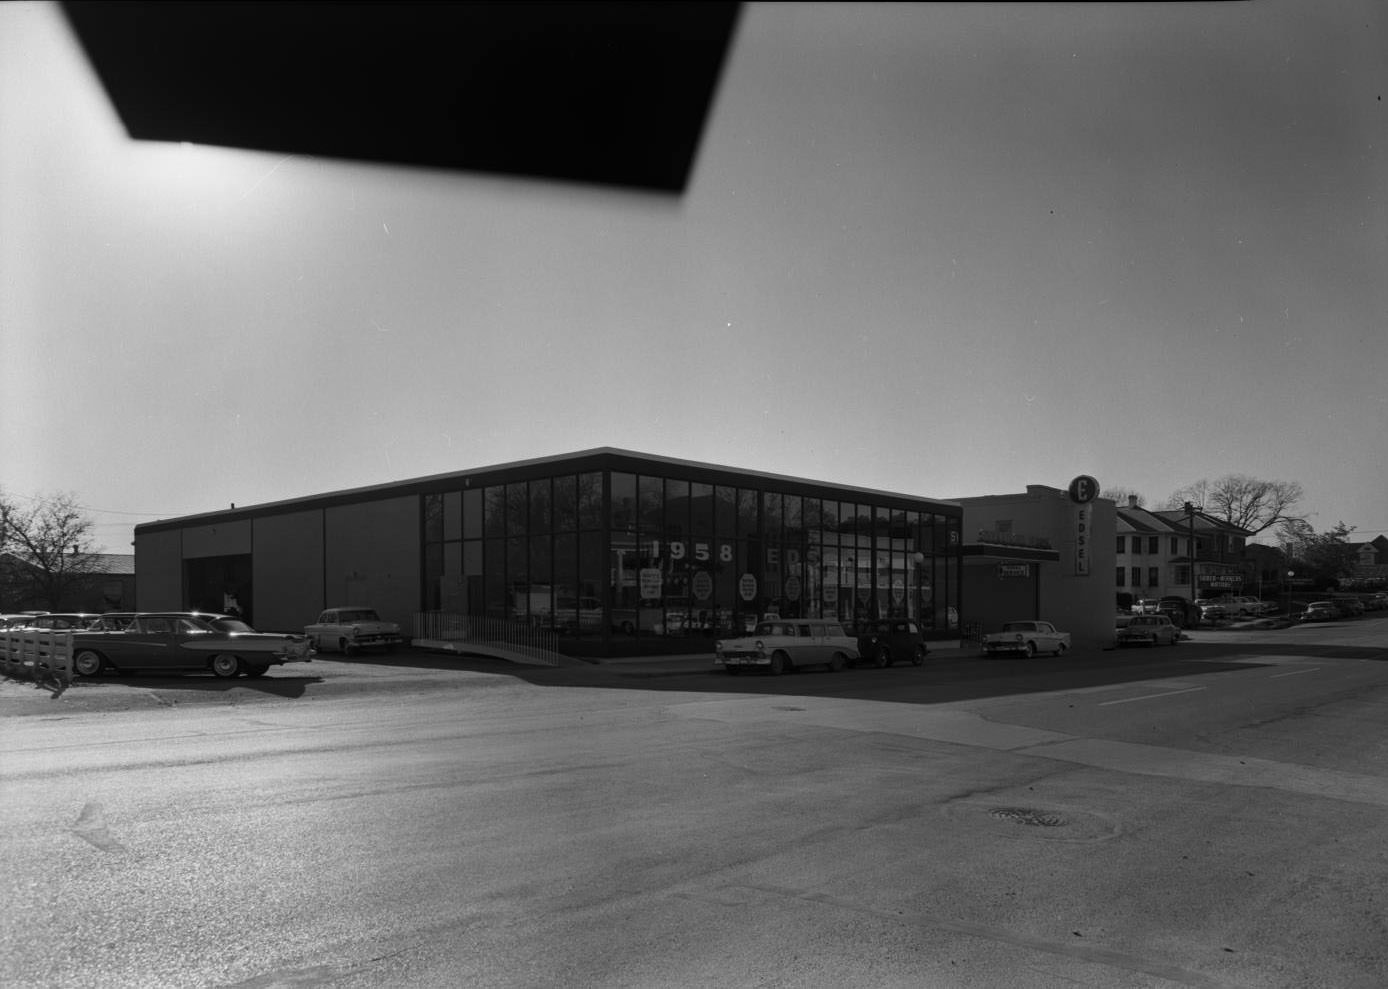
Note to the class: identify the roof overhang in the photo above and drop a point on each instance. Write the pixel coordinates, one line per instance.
(988, 551)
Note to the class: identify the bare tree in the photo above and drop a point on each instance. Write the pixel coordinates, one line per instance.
(48, 550)
(1247, 502)
(1121, 496)
(1326, 558)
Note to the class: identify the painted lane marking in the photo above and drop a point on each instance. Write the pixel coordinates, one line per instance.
(1148, 697)
(1294, 673)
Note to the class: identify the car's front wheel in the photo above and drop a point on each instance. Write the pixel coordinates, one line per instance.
(226, 665)
(780, 662)
(1060, 649)
(1031, 649)
(836, 662)
(87, 663)
(883, 657)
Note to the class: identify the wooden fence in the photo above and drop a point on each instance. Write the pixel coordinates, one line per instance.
(40, 654)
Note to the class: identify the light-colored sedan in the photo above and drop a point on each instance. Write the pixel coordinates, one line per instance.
(348, 629)
(787, 643)
(1027, 638)
(1149, 630)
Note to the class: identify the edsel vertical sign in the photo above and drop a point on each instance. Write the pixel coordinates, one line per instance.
(1083, 490)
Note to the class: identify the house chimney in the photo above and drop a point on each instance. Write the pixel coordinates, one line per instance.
(1132, 501)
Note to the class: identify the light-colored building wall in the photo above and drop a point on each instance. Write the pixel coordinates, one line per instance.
(373, 557)
(1078, 603)
(159, 565)
(228, 538)
(287, 570)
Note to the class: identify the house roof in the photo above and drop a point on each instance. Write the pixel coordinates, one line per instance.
(114, 564)
(1179, 520)
(1141, 520)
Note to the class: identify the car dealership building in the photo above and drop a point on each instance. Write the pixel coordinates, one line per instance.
(610, 552)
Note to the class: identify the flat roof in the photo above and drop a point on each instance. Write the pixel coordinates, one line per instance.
(604, 458)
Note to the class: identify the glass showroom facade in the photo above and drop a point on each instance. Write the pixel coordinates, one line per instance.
(621, 546)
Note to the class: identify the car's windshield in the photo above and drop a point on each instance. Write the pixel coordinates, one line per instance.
(233, 625)
(358, 615)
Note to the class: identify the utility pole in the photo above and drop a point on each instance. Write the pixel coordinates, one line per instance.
(1190, 518)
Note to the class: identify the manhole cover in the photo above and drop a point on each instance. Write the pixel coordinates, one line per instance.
(1029, 817)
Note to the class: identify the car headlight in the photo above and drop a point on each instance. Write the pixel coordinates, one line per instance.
(717, 645)
(1018, 637)
(760, 646)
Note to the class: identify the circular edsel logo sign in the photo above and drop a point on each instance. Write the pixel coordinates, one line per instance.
(1084, 489)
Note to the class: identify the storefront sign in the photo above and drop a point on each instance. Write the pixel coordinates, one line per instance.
(1012, 570)
(792, 588)
(898, 589)
(1084, 489)
(1083, 516)
(650, 582)
(703, 585)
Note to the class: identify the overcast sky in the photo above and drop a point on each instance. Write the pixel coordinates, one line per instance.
(938, 249)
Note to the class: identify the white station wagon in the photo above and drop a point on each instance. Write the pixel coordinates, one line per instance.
(784, 644)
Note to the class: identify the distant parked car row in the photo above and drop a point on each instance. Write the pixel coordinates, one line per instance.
(1342, 606)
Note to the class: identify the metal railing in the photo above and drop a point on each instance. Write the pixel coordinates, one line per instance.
(38, 653)
(538, 645)
(971, 632)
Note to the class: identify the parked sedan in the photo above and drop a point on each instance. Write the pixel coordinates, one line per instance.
(348, 629)
(1319, 611)
(181, 641)
(782, 645)
(886, 640)
(1149, 630)
(1349, 607)
(1027, 638)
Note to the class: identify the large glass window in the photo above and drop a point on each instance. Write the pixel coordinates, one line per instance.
(590, 500)
(669, 557)
(541, 507)
(725, 511)
(472, 513)
(565, 503)
(495, 511)
(651, 496)
(517, 509)
(623, 502)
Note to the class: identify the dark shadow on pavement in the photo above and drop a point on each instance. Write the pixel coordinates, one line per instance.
(289, 686)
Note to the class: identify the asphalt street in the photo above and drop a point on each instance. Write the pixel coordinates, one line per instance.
(1205, 815)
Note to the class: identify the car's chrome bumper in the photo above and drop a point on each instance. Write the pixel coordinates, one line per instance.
(742, 659)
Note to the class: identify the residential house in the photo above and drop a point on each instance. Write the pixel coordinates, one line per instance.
(1148, 547)
(1217, 566)
(1370, 565)
(105, 583)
